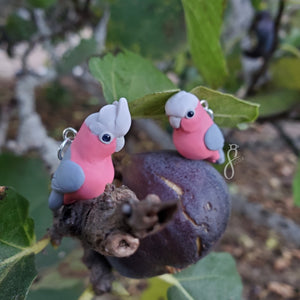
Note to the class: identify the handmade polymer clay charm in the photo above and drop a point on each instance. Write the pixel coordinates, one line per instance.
(195, 134)
(86, 166)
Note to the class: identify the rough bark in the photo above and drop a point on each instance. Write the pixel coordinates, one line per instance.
(110, 225)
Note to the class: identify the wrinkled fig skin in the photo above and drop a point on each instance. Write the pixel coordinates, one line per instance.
(198, 224)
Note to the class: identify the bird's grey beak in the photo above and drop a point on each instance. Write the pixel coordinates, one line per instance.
(120, 143)
(175, 122)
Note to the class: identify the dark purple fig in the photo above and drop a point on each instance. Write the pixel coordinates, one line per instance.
(200, 221)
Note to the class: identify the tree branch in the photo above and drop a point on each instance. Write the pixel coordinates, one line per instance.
(100, 30)
(267, 58)
(260, 216)
(31, 132)
(4, 121)
(110, 225)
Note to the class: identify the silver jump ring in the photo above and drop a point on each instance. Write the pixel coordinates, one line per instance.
(67, 131)
(62, 146)
(68, 136)
(205, 105)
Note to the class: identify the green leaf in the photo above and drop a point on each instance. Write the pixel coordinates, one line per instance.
(285, 73)
(30, 178)
(51, 294)
(17, 248)
(18, 29)
(204, 22)
(229, 111)
(296, 186)
(76, 56)
(41, 3)
(64, 280)
(160, 26)
(275, 101)
(151, 105)
(128, 75)
(291, 49)
(156, 289)
(256, 4)
(214, 277)
(70, 271)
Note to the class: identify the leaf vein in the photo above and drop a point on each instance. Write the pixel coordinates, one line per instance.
(11, 244)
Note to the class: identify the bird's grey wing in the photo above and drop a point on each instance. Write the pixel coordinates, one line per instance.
(214, 139)
(68, 178)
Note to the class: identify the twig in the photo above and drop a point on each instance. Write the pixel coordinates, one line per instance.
(100, 31)
(155, 132)
(44, 30)
(86, 6)
(4, 121)
(267, 58)
(31, 132)
(260, 216)
(288, 140)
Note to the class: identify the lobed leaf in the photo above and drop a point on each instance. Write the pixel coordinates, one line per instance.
(128, 75)
(204, 21)
(214, 277)
(229, 111)
(17, 248)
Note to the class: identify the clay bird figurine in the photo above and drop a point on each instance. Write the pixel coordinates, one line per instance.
(195, 134)
(87, 166)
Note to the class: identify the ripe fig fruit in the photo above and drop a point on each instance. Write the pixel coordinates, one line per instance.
(201, 219)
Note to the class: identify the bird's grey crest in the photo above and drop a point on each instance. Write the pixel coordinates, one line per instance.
(179, 104)
(113, 118)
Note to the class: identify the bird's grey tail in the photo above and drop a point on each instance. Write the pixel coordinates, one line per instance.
(221, 160)
(55, 200)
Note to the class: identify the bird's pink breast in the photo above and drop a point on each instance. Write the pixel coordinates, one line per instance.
(189, 138)
(91, 155)
(191, 145)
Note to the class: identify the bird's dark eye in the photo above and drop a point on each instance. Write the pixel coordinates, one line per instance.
(190, 114)
(106, 138)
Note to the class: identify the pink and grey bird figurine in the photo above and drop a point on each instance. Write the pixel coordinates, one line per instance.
(86, 166)
(195, 134)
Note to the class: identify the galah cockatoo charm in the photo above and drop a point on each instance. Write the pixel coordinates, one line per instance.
(86, 166)
(195, 134)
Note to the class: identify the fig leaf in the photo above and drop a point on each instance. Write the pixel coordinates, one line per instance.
(229, 111)
(204, 24)
(17, 246)
(128, 75)
(30, 178)
(213, 277)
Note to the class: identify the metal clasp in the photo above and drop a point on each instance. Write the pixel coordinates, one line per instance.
(204, 104)
(68, 136)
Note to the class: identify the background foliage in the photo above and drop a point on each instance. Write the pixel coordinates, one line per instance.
(153, 49)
